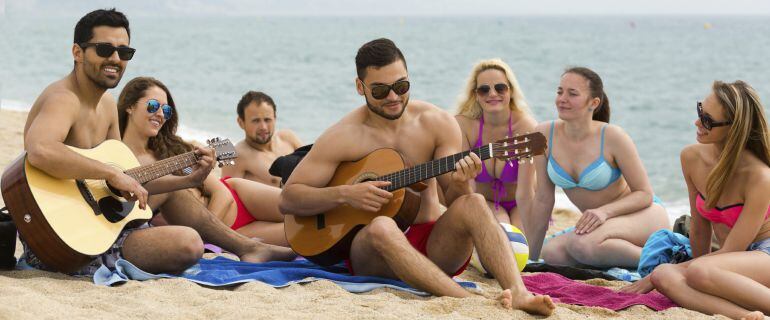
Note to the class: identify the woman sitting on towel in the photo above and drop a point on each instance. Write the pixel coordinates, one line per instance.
(597, 166)
(493, 108)
(728, 180)
(148, 121)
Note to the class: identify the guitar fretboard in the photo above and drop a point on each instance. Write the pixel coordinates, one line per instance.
(162, 167)
(430, 169)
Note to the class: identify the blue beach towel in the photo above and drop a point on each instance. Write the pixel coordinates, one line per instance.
(663, 246)
(221, 271)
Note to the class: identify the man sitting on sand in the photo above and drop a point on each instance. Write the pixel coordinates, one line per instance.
(262, 144)
(76, 111)
(437, 246)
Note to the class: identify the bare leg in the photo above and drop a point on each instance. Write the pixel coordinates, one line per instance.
(555, 251)
(739, 277)
(617, 242)
(181, 208)
(267, 232)
(167, 249)
(260, 199)
(670, 280)
(381, 249)
(468, 222)
(499, 213)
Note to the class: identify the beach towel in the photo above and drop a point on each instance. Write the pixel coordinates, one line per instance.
(577, 273)
(663, 246)
(221, 272)
(568, 291)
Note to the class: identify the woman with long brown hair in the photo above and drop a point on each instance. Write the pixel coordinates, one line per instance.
(728, 181)
(598, 167)
(148, 121)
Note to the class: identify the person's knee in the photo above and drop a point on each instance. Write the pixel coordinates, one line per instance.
(472, 201)
(554, 253)
(382, 231)
(662, 277)
(584, 248)
(189, 247)
(698, 276)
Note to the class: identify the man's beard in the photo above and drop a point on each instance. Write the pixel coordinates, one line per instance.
(381, 111)
(103, 83)
(257, 140)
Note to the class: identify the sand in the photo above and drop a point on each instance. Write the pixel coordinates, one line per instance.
(44, 295)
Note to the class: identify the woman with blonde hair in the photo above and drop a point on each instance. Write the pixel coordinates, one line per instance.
(728, 181)
(597, 166)
(492, 107)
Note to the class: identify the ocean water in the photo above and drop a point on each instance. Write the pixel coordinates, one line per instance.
(654, 67)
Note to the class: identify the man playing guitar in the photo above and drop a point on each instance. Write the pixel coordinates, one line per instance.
(437, 245)
(77, 111)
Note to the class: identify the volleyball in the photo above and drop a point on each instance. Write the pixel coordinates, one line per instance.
(518, 245)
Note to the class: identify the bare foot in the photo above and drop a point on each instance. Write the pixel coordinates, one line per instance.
(756, 315)
(262, 252)
(527, 302)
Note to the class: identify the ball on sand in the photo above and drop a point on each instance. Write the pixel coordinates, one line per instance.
(518, 245)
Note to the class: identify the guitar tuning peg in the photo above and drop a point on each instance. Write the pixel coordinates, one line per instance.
(208, 141)
(220, 164)
(232, 162)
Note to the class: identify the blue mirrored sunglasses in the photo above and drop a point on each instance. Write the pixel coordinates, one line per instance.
(153, 106)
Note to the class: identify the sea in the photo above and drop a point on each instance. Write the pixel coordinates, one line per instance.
(654, 68)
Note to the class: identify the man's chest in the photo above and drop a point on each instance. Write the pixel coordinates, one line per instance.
(88, 133)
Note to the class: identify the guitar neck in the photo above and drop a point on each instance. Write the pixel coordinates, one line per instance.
(163, 167)
(430, 169)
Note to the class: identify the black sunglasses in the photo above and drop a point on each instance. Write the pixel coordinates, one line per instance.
(105, 50)
(153, 106)
(709, 122)
(500, 88)
(380, 91)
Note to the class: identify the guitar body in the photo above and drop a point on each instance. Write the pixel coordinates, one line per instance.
(67, 222)
(326, 238)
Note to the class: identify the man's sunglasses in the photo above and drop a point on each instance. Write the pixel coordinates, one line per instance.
(105, 50)
(153, 106)
(709, 122)
(380, 91)
(500, 88)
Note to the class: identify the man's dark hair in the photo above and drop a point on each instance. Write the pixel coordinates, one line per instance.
(84, 29)
(254, 96)
(377, 53)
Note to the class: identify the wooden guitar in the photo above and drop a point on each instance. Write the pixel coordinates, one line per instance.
(67, 222)
(326, 238)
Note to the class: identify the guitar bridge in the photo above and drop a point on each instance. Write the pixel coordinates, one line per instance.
(88, 197)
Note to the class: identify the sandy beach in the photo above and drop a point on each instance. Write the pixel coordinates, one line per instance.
(38, 294)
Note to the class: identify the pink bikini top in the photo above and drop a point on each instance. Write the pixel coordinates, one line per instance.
(510, 172)
(727, 215)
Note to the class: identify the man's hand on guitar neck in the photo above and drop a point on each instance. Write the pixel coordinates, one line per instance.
(466, 169)
(367, 196)
(130, 189)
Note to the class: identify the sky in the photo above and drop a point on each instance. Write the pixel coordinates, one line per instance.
(391, 7)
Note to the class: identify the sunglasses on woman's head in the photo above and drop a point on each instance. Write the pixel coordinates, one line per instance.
(500, 88)
(380, 91)
(153, 106)
(105, 50)
(707, 121)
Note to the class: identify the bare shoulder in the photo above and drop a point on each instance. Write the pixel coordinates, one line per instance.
(692, 153)
(466, 123)
(57, 96)
(430, 114)
(290, 137)
(615, 133)
(544, 127)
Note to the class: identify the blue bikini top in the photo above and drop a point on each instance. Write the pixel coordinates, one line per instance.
(597, 176)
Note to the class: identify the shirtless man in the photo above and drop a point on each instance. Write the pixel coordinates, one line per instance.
(76, 111)
(260, 147)
(421, 132)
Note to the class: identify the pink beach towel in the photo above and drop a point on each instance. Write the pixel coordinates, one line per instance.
(568, 291)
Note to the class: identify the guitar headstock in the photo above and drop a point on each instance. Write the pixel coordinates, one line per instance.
(520, 147)
(224, 151)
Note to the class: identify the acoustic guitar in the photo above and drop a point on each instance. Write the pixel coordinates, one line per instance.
(325, 238)
(67, 222)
